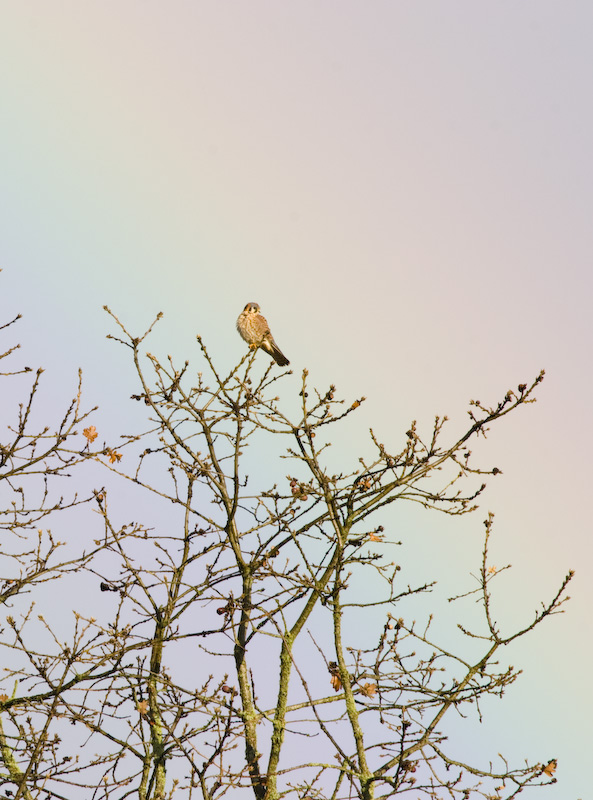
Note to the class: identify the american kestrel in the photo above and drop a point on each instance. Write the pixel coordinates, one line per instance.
(255, 330)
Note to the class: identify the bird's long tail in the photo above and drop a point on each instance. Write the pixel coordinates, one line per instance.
(276, 353)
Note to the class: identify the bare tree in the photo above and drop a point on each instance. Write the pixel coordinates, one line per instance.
(234, 652)
(34, 457)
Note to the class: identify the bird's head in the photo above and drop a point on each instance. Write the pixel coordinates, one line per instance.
(251, 308)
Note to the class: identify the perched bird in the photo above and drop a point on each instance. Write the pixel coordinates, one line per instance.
(255, 330)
